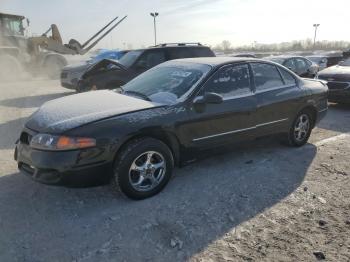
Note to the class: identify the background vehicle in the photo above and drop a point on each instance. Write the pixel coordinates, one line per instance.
(111, 74)
(338, 81)
(321, 61)
(70, 74)
(300, 65)
(185, 104)
(38, 53)
(244, 55)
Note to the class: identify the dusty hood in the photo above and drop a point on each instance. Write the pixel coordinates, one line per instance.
(65, 113)
(77, 67)
(334, 70)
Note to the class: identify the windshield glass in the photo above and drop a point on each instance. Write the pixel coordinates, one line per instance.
(129, 58)
(168, 82)
(345, 63)
(13, 26)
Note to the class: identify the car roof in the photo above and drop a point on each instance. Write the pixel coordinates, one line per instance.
(171, 47)
(217, 61)
(285, 56)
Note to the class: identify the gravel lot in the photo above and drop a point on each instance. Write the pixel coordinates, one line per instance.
(258, 202)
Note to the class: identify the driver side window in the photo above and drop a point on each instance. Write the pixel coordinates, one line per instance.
(230, 81)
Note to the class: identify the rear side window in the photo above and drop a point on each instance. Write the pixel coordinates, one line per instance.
(287, 77)
(266, 76)
(290, 65)
(230, 81)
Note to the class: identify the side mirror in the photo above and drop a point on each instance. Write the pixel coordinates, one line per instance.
(208, 98)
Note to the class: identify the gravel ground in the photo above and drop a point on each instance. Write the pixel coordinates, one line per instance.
(258, 202)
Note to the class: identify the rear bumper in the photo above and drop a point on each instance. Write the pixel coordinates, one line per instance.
(69, 168)
(339, 96)
(321, 114)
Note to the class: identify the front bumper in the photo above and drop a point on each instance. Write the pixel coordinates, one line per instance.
(71, 168)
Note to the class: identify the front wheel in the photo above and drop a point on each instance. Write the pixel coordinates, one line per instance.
(300, 130)
(143, 168)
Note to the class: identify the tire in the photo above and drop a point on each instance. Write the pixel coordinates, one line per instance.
(300, 129)
(10, 68)
(142, 168)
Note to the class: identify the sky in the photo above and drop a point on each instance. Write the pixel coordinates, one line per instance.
(242, 22)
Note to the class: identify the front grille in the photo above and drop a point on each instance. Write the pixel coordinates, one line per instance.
(337, 85)
(25, 138)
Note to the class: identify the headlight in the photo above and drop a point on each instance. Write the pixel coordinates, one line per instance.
(52, 142)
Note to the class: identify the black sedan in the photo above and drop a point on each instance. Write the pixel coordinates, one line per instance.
(338, 81)
(302, 66)
(137, 134)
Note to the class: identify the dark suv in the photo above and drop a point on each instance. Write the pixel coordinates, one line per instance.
(110, 74)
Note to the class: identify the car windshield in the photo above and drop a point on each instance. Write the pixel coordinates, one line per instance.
(129, 58)
(168, 82)
(345, 63)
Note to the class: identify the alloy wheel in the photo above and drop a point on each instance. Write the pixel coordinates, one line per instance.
(147, 171)
(302, 127)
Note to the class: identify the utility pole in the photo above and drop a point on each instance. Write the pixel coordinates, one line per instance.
(316, 26)
(155, 14)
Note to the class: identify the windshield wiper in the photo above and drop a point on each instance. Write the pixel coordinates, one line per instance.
(143, 96)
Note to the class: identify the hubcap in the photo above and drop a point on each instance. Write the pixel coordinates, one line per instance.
(301, 127)
(147, 171)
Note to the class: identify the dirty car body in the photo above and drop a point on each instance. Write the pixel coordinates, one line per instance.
(103, 76)
(338, 81)
(302, 66)
(71, 74)
(185, 104)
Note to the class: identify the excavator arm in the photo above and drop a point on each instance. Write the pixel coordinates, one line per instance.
(54, 42)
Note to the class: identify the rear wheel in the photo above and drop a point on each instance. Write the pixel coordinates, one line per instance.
(143, 168)
(301, 128)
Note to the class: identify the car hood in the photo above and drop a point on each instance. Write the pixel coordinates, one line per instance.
(336, 70)
(62, 114)
(77, 67)
(104, 63)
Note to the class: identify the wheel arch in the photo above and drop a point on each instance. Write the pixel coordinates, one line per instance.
(168, 138)
(313, 110)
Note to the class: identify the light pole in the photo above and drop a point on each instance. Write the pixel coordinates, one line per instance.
(155, 14)
(316, 26)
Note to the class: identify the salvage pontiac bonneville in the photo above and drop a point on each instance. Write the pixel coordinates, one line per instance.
(135, 135)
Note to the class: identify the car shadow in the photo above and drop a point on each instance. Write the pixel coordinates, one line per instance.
(337, 118)
(32, 101)
(203, 202)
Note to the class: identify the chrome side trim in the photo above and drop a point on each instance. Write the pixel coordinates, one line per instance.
(222, 134)
(272, 122)
(275, 88)
(325, 109)
(240, 130)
